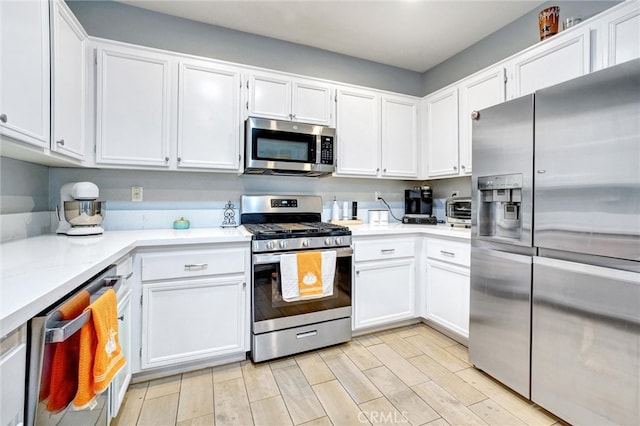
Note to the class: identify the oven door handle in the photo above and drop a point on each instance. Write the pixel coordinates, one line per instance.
(262, 259)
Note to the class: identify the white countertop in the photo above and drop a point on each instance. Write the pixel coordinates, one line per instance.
(36, 272)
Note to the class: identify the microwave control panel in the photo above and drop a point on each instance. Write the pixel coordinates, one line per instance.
(326, 150)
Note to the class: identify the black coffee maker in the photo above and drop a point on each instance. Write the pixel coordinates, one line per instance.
(418, 206)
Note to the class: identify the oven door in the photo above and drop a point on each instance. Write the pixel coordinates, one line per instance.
(271, 312)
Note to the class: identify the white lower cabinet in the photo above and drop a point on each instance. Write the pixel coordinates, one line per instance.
(13, 372)
(121, 380)
(447, 285)
(384, 283)
(194, 305)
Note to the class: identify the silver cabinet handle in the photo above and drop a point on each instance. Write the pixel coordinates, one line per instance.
(166, 159)
(448, 253)
(3, 118)
(384, 170)
(387, 251)
(378, 169)
(60, 142)
(542, 171)
(121, 317)
(179, 159)
(196, 267)
(306, 334)
(462, 166)
(455, 167)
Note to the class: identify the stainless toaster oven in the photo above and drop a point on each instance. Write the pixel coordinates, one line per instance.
(459, 211)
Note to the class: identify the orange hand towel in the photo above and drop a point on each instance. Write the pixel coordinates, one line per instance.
(62, 383)
(309, 273)
(100, 354)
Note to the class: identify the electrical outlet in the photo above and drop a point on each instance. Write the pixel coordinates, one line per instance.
(377, 195)
(136, 193)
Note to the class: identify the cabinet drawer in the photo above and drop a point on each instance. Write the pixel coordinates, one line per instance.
(384, 249)
(192, 263)
(449, 251)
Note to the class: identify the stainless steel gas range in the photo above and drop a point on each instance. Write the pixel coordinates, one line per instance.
(284, 226)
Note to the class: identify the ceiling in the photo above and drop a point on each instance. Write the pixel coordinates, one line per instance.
(410, 34)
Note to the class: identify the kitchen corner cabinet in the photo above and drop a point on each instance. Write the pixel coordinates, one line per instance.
(283, 98)
(13, 371)
(208, 116)
(133, 107)
(441, 115)
(555, 60)
(384, 283)
(194, 305)
(377, 134)
(447, 284)
(69, 82)
(25, 77)
(620, 30)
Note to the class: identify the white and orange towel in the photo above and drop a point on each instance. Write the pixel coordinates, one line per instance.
(100, 354)
(307, 275)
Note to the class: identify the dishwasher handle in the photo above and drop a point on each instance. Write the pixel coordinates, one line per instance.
(57, 330)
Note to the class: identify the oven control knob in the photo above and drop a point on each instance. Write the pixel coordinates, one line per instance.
(338, 241)
(271, 245)
(306, 243)
(328, 242)
(283, 244)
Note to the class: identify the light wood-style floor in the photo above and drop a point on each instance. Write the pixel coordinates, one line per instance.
(411, 375)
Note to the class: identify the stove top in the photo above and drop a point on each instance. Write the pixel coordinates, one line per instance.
(266, 231)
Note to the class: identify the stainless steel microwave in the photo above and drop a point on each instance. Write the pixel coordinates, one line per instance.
(288, 148)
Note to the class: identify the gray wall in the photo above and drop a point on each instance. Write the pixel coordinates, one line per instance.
(24, 187)
(116, 21)
(510, 39)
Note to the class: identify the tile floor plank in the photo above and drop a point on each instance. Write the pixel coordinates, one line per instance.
(352, 379)
(437, 338)
(270, 412)
(437, 353)
(523, 409)
(461, 390)
(322, 421)
(360, 356)
(338, 405)
(231, 403)
(398, 344)
(452, 410)
(398, 365)
(226, 372)
(460, 352)
(368, 340)
(159, 411)
(208, 420)
(314, 368)
(196, 395)
(164, 386)
(259, 381)
(410, 330)
(131, 405)
(301, 401)
(401, 396)
(492, 413)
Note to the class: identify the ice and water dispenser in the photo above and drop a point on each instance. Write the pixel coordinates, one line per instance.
(499, 203)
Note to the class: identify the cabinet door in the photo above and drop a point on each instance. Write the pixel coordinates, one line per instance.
(69, 82)
(189, 320)
(448, 296)
(442, 133)
(13, 371)
(478, 92)
(553, 61)
(622, 34)
(270, 97)
(383, 292)
(208, 116)
(311, 103)
(399, 137)
(24, 75)
(358, 133)
(133, 107)
(121, 381)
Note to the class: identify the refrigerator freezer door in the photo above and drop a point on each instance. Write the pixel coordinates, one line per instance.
(587, 179)
(499, 326)
(585, 361)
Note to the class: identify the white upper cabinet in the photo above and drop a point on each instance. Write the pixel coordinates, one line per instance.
(477, 92)
(208, 116)
(284, 98)
(24, 75)
(133, 107)
(620, 29)
(69, 82)
(558, 59)
(441, 129)
(399, 137)
(358, 132)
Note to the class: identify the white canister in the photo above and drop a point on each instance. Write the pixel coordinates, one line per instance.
(384, 217)
(374, 217)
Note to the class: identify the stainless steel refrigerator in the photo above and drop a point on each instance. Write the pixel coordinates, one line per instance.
(555, 258)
